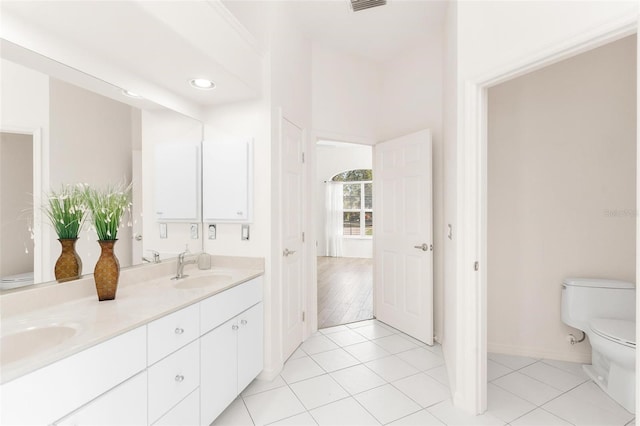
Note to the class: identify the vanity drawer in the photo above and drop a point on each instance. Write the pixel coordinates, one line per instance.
(170, 333)
(172, 379)
(226, 305)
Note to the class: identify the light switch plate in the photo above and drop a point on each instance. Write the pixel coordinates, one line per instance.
(212, 231)
(245, 232)
(193, 231)
(163, 230)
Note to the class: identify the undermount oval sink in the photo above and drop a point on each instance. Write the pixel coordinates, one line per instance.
(25, 343)
(199, 282)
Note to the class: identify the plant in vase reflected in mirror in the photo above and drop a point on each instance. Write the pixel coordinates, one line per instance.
(108, 207)
(66, 211)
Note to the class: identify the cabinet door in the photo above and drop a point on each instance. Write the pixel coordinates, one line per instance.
(186, 413)
(126, 404)
(250, 345)
(227, 177)
(177, 182)
(218, 370)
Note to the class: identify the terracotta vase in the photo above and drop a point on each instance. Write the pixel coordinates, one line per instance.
(69, 265)
(107, 271)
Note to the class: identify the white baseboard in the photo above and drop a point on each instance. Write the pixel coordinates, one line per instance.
(269, 374)
(533, 352)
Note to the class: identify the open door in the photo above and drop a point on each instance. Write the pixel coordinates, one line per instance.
(403, 227)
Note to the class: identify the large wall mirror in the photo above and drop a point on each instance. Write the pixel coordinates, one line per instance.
(60, 126)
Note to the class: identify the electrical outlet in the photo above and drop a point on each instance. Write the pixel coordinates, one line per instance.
(163, 230)
(194, 231)
(244, 233)
(212, 232)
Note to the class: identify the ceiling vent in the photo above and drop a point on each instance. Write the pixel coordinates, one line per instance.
(358, 5)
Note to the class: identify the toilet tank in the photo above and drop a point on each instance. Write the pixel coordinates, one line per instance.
(586, 298)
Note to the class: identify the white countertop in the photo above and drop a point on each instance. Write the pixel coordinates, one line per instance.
(138, 302)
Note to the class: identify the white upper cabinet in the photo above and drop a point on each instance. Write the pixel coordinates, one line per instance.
(227, 180)
(177, 182)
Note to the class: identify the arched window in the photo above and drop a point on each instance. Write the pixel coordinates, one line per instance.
(357, 202)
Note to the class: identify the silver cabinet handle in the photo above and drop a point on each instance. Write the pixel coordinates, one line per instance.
(239, 213)
(179, 330)
(424, 247)
(138, 237)
(179, 378)
(234, 327)
(243, 322)
(287, 252)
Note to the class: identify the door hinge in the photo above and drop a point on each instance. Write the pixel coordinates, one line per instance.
(302, 316)
(303, 157)
(303, 237)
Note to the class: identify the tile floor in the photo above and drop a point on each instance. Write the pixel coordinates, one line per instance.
(368, 373)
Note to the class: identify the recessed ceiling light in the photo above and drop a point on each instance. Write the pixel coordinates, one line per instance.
(202, 83)
(131, 94)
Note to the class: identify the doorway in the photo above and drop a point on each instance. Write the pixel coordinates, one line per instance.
(344, 188)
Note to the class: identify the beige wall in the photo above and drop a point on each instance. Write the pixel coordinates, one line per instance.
(561, 193)
(16, 187)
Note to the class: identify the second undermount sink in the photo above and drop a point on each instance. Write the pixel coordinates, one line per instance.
(204, 281)
(31, 341)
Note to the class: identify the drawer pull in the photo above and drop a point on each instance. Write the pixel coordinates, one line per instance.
(243, 322)
(179, 378)
(179, 330)
(234, 327)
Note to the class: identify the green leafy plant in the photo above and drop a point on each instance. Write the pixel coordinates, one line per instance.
(107, 207)
(66, 210)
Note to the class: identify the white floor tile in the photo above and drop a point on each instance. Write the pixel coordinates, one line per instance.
(303, 419)
(574, 368)
(505, 405)
(387, 403)
(440, 374)
(300, 369)
(423, 389)
(318, 391)
(346, 412)
(527, 388)
(395, 343)
(412, 340)
(347, 337)
(539, 417)
(276, 404)
(373, 331)
(452, 416)
(359, 324)
(318, 343)
(357, 379)
(335, 360)
(331, 330)
(436, 348)
(421, 418)
(590, 393)
(495, 370)
(236, 414)
(298, 353)
(421, 358)
(391, 368)
(514, 362)
(366, 351)
(258, 386)
(553, 376)
(583, 412)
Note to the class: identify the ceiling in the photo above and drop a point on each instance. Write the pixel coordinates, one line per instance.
(379, 33)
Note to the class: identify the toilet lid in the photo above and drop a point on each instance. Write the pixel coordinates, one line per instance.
(620, 331)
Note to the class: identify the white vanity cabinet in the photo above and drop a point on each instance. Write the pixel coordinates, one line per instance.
(227, 180)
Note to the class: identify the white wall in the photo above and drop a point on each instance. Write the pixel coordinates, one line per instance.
(331, 160)
(491, 37)
(16, 187)
(561, 192)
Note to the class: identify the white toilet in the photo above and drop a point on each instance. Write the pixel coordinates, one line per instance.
(605, 310)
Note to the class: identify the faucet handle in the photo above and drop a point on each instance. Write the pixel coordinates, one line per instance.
(156, 256)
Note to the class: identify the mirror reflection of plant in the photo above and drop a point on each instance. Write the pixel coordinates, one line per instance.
(66, 210)
(107, 207)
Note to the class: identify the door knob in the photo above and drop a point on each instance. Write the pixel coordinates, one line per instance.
(424, 247)
(287, 252)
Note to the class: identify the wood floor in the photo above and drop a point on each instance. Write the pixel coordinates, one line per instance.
(345, 290)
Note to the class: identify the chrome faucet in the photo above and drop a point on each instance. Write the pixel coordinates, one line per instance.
(181, 262)
(154, 259)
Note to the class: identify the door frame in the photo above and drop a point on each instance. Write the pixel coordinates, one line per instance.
(471, 315)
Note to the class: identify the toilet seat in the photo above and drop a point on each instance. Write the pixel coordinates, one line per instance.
(622, 332)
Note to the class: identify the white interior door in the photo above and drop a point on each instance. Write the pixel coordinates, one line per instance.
(403, 227)
(292, 256)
